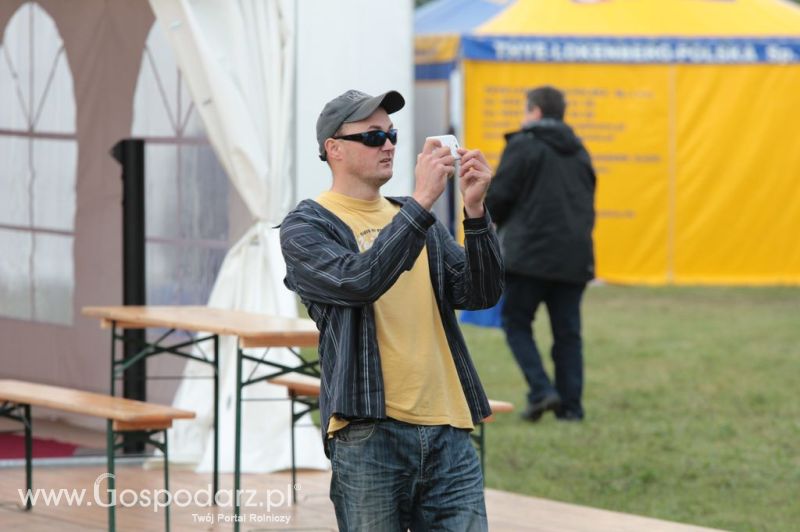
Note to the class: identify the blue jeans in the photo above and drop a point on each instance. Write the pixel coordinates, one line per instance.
(393, 476)
(563, 302)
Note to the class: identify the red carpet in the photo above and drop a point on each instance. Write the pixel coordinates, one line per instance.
(12, 446)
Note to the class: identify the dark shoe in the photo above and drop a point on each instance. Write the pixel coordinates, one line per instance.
(533, 412)
(568, 416)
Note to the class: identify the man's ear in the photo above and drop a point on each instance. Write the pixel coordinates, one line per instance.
(333, 149)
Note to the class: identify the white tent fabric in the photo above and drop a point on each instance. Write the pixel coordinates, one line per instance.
(238, 60)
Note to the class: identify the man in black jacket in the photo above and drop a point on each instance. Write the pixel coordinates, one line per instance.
(542, 200)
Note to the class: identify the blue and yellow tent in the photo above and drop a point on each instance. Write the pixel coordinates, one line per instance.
(690, 109)
(438, 27)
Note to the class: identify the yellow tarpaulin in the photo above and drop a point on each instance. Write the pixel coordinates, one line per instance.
(690, 109)
(645, 17)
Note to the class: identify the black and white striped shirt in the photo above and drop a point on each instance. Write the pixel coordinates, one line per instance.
(338, 286)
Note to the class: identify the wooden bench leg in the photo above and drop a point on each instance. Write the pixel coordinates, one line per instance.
(482, 436)
(110, 447)
(166, 480)
(237, 439)
(295, 417)
(28, 422)
(479, 439)
(22, 412)
(216, 419)
(294, 463)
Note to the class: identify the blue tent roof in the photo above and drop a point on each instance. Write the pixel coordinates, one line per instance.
(456, 16)
(443, 19)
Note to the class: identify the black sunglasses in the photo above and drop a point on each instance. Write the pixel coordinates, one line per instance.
(373, 138)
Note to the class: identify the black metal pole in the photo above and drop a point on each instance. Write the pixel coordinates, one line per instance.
(130, 154)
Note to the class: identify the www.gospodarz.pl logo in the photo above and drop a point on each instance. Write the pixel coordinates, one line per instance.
(101, 494)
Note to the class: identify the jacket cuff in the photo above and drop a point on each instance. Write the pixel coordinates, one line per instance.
(417, 215)
(477, 224)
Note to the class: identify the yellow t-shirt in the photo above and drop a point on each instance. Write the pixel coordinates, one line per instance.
(419, 375)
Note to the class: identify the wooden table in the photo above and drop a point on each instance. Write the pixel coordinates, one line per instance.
(251, 330)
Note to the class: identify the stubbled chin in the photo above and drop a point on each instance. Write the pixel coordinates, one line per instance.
(383, 179)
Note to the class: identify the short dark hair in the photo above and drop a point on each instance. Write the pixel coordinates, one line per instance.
(550, 100)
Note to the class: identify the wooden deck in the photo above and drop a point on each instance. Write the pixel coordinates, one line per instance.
(269, 509)
(507, 512)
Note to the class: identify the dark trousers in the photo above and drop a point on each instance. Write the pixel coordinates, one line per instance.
(523, 294)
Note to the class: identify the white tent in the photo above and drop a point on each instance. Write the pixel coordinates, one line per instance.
(99, 72)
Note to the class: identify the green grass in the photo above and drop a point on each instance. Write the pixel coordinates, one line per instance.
(692, 403)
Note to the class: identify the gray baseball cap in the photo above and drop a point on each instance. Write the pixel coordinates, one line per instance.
(352, 106)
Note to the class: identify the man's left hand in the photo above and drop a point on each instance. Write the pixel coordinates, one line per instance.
(475, 177)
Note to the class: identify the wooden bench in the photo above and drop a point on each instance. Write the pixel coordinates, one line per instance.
(121, 415)
(305, 390)
(479, 436)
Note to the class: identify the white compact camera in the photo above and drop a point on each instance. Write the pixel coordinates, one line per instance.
(451, 142)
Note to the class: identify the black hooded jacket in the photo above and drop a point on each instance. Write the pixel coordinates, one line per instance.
(542, 200)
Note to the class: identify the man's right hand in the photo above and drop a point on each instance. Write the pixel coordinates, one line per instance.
(434, 165)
